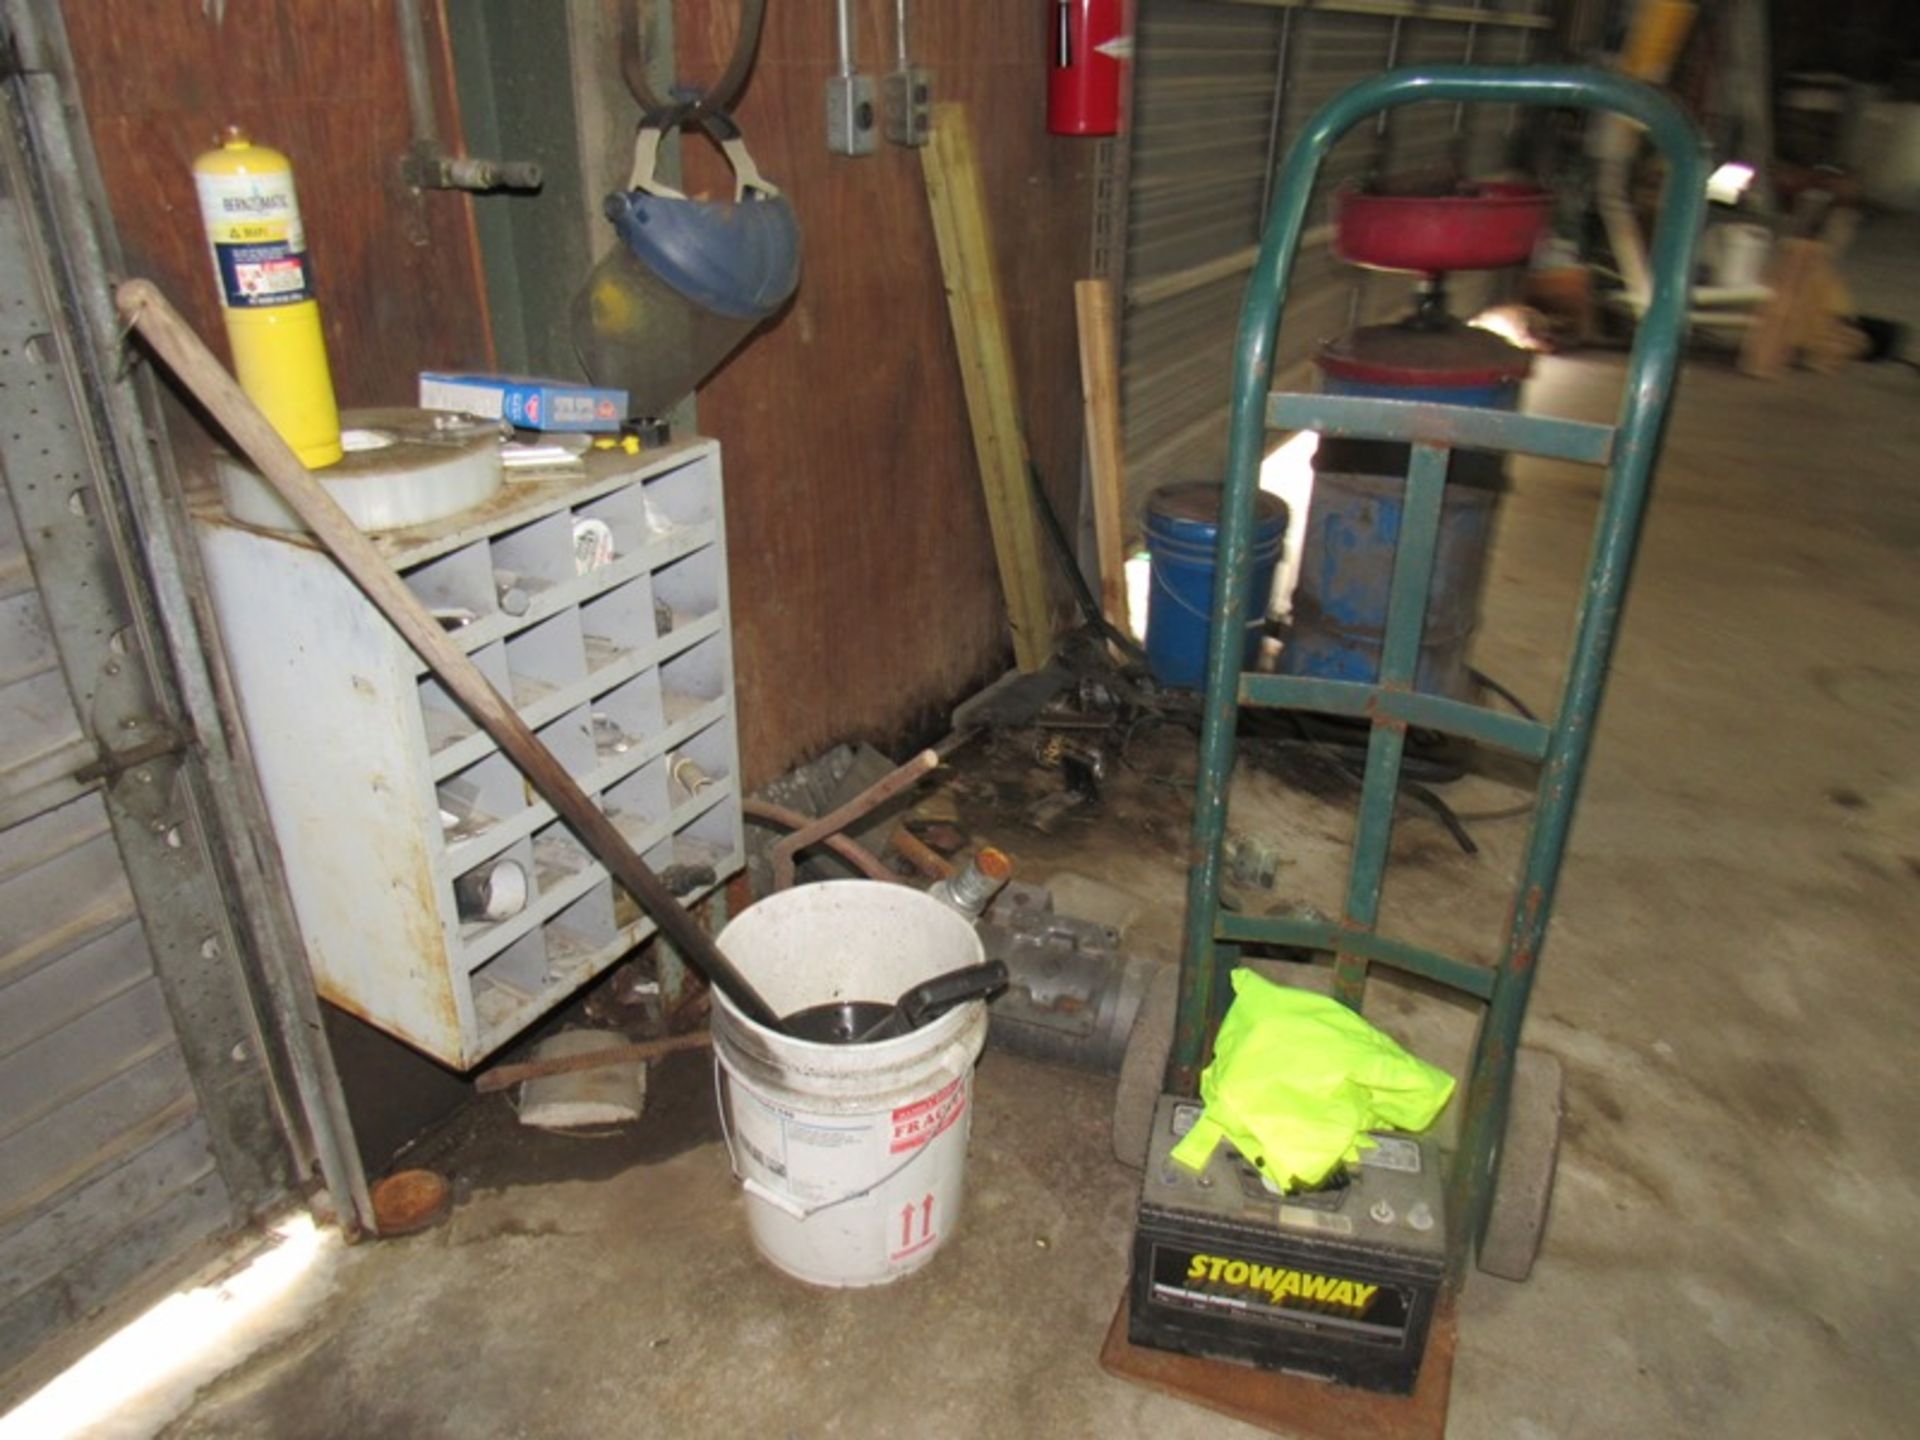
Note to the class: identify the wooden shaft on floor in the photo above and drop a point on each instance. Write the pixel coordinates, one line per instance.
(1106, 466)
(143, 306)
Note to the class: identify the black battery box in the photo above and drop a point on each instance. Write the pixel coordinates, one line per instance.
(1335, 1284)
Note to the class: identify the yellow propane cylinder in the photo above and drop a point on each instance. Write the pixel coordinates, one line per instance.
(252, 219)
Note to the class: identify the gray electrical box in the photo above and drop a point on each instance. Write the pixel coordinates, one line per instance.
(909, 105)
(851, 127)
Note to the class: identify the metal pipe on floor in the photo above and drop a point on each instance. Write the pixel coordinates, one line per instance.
(845, 846)
(876, 794)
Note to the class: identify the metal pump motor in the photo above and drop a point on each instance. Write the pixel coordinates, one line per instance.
(1073, 994)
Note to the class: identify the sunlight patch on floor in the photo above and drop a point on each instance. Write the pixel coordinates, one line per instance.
(146, 1374)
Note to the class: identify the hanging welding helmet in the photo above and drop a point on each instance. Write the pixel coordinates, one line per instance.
(688, 280)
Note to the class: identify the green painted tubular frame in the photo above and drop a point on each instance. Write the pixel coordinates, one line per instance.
(1212, 938)
(1460, 427)
(1309, 933)
(1513, 733)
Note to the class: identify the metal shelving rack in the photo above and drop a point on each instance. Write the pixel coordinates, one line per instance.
(382, 791)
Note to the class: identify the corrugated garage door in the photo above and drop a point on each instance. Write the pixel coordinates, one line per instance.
(1220, 89)
(106, 1168)
(136, 1118)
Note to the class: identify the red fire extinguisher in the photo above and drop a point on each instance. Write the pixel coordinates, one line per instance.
(1083, 85)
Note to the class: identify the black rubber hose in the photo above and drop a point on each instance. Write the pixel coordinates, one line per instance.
(1442, 812)
(734, 78)
(717, 98)
(1083, 595)
(1407, 786)
(1488, 683)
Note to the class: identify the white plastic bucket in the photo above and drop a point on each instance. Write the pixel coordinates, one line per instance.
(852, 1157)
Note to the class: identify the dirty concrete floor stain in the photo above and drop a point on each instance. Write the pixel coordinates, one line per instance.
(633, 1304)
(1728, 981)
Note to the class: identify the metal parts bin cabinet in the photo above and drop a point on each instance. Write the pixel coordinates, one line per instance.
(384, 794)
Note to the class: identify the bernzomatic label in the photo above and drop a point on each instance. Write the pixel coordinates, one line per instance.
(259, 247)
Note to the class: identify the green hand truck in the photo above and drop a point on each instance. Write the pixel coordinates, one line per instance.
(1213, 937)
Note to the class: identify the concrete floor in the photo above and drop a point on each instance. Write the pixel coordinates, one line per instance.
(1729, 982)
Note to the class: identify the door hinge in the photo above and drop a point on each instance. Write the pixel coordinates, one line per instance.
(114, 763)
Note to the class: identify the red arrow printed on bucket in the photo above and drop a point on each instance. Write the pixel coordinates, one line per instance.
(925, 1207)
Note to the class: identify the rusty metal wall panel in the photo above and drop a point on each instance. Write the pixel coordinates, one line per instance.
(41, 742)
(190, 821)
(76, 1252)
(1220, 91)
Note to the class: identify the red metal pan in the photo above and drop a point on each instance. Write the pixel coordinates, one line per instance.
(1480, 225)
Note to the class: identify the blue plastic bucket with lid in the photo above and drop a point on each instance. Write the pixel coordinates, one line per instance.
(1183, 534)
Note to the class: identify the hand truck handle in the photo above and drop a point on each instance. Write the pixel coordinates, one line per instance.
(1649, 385)
(1656, 348)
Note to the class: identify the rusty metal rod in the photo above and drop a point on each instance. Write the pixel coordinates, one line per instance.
(505, 1077)
(845, 846)
(876, 794)
(172, 339)
(922, 856)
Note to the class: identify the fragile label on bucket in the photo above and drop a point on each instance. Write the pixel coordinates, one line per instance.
(914, 1125)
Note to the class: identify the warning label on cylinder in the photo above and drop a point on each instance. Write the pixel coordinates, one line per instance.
(914, 1125)
(259, 245)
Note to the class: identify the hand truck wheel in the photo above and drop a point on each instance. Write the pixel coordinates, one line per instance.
(1143, 1068)
(1529, 1154)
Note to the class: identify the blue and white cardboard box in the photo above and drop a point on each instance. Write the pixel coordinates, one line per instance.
(528, 404)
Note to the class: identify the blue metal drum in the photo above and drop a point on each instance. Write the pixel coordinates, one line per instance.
(1353, 522)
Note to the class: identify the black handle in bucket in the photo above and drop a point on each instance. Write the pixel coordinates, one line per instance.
(933, 998)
